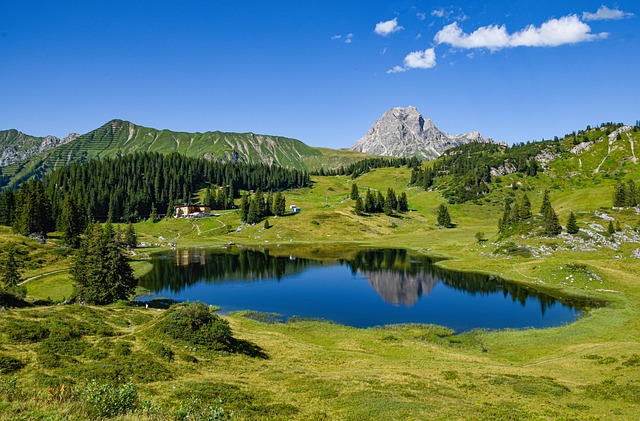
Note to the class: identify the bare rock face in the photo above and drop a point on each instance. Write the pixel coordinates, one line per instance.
(404, 132)
(16, 146)
(399, 288)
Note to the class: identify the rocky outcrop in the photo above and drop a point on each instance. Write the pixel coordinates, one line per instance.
(404, 132)
(16, 146)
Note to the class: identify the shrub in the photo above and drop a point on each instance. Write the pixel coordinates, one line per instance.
(9, 364)
(197, 324)
(108, 400)
(160, 350)
(26, 332)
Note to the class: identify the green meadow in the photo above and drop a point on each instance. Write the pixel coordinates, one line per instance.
(52, 356)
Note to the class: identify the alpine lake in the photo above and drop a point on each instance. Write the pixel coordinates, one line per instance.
(363, 288)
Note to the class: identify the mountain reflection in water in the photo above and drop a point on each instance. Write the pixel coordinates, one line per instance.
(255, 280)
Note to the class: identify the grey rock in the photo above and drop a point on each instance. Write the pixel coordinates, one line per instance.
(404, 132)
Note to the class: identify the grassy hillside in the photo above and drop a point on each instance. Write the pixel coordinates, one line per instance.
(589, 369)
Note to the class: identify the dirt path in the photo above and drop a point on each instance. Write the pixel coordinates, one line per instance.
(604, 159)
(43, 274)
(633, 152)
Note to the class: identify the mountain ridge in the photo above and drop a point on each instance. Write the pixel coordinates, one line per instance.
(118, 137)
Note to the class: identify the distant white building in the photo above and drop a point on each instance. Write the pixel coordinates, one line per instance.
(294, 209)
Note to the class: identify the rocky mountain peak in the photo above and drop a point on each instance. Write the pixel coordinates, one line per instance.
(404, 132)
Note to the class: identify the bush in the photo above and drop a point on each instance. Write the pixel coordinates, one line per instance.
(26, 332)
(108, 400)
(197, 324)
(160, 350)
(9, 364)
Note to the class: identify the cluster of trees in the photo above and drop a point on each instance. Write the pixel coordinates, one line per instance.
(625, 194)
(254, 209)
(219, 198)
(132, 188)
(364, 166)
(101, 272)
(377, 203)
(515, 216)
(27, 210)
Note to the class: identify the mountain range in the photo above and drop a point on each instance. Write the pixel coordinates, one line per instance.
(401, 132)
(404, 132)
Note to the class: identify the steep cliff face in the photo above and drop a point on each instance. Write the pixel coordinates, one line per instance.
(404, 132)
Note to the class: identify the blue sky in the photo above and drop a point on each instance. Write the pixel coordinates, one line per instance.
(319, 71)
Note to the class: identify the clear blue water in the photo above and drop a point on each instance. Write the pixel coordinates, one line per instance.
(377, 287)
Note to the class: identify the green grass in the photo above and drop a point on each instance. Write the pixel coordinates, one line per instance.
(585, 370)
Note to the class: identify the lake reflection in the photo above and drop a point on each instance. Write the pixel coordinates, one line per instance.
(375, 287)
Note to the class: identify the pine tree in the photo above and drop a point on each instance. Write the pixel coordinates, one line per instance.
(391, 197)
(279, 204)
(632, 198)
(504, 223)
(369, 202)
(525, 208)
(354, 191)
(244, 208)
(268, 209)
(10, 276)
(572, 224)
(154, 214)
(610, 228)
(130, 237)
(619, 196)
(551, 224)
(618, 227)
(253, 216)
(100, 271)
(444, 219)
(170, 210)
(72, 221)
(266, 224)
(359, 206)
(403, 204)
(379, 202)
(546, 204)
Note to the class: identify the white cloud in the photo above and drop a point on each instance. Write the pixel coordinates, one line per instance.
(421, 15)
(417, 60)
(552, 33)
(438, 13)
(604, 13)
(348, 39)
(388, 27)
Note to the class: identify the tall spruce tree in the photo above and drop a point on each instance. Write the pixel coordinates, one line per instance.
(550, 224)
(72, 221)
(546, 203)
(354, 191)
(359, 206)
(369, 202)
(403, 204)
(525, 208)
(444, 219)
(130, 237)
(101, 272)
(10, 274)
(572, 224)
(33, 209)
(619, 195)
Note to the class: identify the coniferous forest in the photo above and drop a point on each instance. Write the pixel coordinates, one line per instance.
(131, 187)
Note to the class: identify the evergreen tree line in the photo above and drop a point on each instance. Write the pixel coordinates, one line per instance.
(254, 209)
(131, 187)
(625, 194)
(364, 166)
(375, 202)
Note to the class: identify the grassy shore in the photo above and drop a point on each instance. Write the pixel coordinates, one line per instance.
(589, 369)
